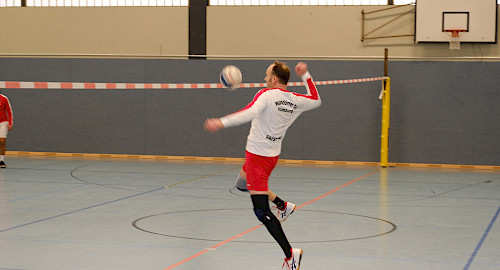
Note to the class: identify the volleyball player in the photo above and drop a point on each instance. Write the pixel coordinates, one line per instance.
(272, 111)
(6, 122)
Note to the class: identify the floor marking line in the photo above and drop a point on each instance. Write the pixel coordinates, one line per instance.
(44, 193)
(337, 189)
(258, 226)
(212, 248)
(201, 177)
(101, 204)
(82, 209)
(469, 262)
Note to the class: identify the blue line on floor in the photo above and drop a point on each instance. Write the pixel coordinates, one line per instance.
(482, 240)
(82, 209)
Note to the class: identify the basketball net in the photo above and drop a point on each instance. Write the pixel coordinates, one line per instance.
(455, 39)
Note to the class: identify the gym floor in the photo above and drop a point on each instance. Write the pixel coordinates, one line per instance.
(118, 214)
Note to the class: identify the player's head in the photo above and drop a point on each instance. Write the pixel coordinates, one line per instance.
(278, 73)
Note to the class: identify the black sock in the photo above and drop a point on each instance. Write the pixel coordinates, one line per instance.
(264, 214)
(279, 203)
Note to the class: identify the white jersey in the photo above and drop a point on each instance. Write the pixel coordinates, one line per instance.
(272, 111)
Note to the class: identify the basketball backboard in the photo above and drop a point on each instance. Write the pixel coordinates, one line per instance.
(476, 20)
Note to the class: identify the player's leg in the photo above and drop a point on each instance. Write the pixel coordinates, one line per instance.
(293, 256)
(2, 152)
(285, 209)
(3, 143)
(258, 170)
(264, 214)
(241, 181)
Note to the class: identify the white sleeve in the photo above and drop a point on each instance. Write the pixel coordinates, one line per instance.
(314, 100)
(246, 114)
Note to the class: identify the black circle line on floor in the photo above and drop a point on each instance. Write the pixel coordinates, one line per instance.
(74, 170)
(393, 227)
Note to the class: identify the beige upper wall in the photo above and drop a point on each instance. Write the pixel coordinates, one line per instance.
(94, 30)
(322, 31)
(253, 31)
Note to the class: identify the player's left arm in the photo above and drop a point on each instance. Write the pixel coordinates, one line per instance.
(313, 98)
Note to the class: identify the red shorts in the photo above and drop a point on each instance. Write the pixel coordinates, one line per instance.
(258, 169)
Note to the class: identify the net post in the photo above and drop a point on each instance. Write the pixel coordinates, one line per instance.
(386, 107)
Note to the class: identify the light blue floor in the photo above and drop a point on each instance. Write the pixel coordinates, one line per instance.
(111, 214)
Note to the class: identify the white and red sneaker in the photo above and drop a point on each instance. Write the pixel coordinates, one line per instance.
(293, 263)
(289, 208)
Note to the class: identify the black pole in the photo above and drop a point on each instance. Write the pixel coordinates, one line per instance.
(198, 28)
(386, 62)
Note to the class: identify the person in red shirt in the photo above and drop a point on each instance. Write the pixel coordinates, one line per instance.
(6, 123)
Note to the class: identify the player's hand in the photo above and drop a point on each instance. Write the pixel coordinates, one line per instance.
(301, 69)
(212, 125)
(9, 127)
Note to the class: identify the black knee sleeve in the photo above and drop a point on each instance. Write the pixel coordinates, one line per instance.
(261, 209)
(264, 214)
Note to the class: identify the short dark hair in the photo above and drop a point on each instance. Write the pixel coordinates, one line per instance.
(282, 71)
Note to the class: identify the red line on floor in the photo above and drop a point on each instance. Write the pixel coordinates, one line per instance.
(256, 227)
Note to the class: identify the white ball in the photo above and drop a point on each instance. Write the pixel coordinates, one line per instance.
(230, 77)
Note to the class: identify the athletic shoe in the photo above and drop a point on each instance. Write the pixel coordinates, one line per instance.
(2, 164)
(289, 208)
(293, 263)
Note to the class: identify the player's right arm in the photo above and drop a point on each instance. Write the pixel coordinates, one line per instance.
(213, 125)
(240, 117)
(248, 113)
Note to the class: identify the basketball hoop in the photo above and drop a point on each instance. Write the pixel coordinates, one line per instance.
(455, 38)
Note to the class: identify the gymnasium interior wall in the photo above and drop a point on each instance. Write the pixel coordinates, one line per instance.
(94, 30)
(163, 31)
(443, 111)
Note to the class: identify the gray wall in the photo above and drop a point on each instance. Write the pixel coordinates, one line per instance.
(442, 112)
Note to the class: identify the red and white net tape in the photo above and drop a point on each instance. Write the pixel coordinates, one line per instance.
(80, 85)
